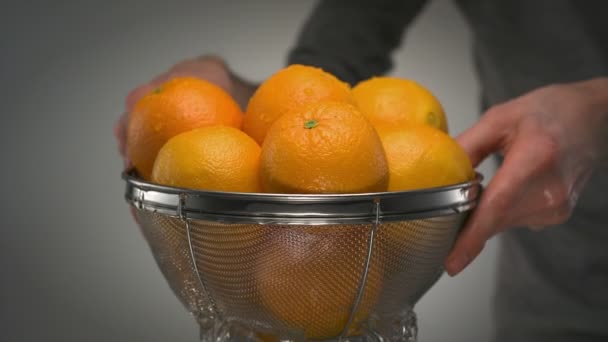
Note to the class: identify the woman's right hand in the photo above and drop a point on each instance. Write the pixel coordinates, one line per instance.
(209, 68)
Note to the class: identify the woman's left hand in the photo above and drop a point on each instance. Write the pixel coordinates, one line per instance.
(552, 139)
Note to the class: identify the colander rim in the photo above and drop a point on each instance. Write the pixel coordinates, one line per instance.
(300, 208)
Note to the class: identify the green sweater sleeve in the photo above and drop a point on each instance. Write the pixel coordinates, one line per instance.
(353, 39)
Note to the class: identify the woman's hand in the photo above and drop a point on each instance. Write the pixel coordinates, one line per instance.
(552, 139)
(210, 68)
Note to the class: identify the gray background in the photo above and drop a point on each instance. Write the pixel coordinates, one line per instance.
(73, 264)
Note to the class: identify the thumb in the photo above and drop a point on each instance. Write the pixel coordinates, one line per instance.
(487, 136)
(142, 90)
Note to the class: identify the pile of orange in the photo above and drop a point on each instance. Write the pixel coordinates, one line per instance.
(303, 131)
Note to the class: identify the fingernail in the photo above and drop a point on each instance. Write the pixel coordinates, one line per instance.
(456, 264)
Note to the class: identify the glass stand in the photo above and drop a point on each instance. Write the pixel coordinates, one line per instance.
(402, 328)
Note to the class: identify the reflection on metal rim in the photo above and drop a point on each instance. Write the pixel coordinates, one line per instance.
(310, 209)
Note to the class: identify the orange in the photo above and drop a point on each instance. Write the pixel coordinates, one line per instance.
(420, 156)
(289, 88)
(177, 106)
(308, 278)
(325, 147)
(389, 100)
(218, 158)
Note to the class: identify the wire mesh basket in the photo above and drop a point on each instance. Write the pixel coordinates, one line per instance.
(270, 267)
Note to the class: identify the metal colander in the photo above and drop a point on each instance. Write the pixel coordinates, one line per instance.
(270, 267)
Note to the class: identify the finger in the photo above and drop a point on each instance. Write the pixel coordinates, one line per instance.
(209, 68)
(134, 214)
(120, 133)
(545, 194)
(550, 202)
(120, 127)
(551, 206)
(137, 94)
(558, 191)
(142, 90)
(487, 135)
(523, 162)
(543, 219)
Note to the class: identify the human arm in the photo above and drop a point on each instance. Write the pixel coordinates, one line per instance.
(351, 38)
(354, 39)
(552, 139)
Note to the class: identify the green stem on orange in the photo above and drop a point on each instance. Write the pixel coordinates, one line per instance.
(311, 124)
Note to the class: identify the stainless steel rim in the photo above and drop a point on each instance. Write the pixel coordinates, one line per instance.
(263, 208)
